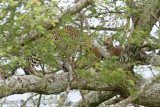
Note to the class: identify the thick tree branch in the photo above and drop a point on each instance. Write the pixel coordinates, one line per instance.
(94, 98)
(151, 58)
(49, 84)
(147, 98)
(54, 84)
(76, 8)
(139, 92)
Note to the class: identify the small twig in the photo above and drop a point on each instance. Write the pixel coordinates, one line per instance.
(42, 2)
(23, 105)
(39, 100)
(34, 103)
(42, 67)
(119, 12)
(40, 96)
(62, 103)
(157, 25)
(76, 75)
(151, 70)
(87, 24)
(106, 28)
(59, 7)
(126, 26)
(152, 15)
(81, 21)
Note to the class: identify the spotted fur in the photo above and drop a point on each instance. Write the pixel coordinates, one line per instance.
(72, 31)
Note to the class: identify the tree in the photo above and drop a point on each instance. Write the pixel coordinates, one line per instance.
(28, 29)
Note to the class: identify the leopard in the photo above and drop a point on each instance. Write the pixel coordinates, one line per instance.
(74, 34)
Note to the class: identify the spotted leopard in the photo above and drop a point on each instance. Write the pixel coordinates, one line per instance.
(73, 33)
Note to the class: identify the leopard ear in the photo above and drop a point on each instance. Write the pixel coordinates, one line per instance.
(112, 38)
(108, 39)
(104, 39)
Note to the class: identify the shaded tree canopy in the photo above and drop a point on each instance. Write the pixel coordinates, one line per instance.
(45, 34)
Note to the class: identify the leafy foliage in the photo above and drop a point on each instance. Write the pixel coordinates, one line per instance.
(20, 20)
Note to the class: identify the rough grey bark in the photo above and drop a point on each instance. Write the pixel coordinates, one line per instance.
(94, 98)
(49, 84)
(139, 92)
